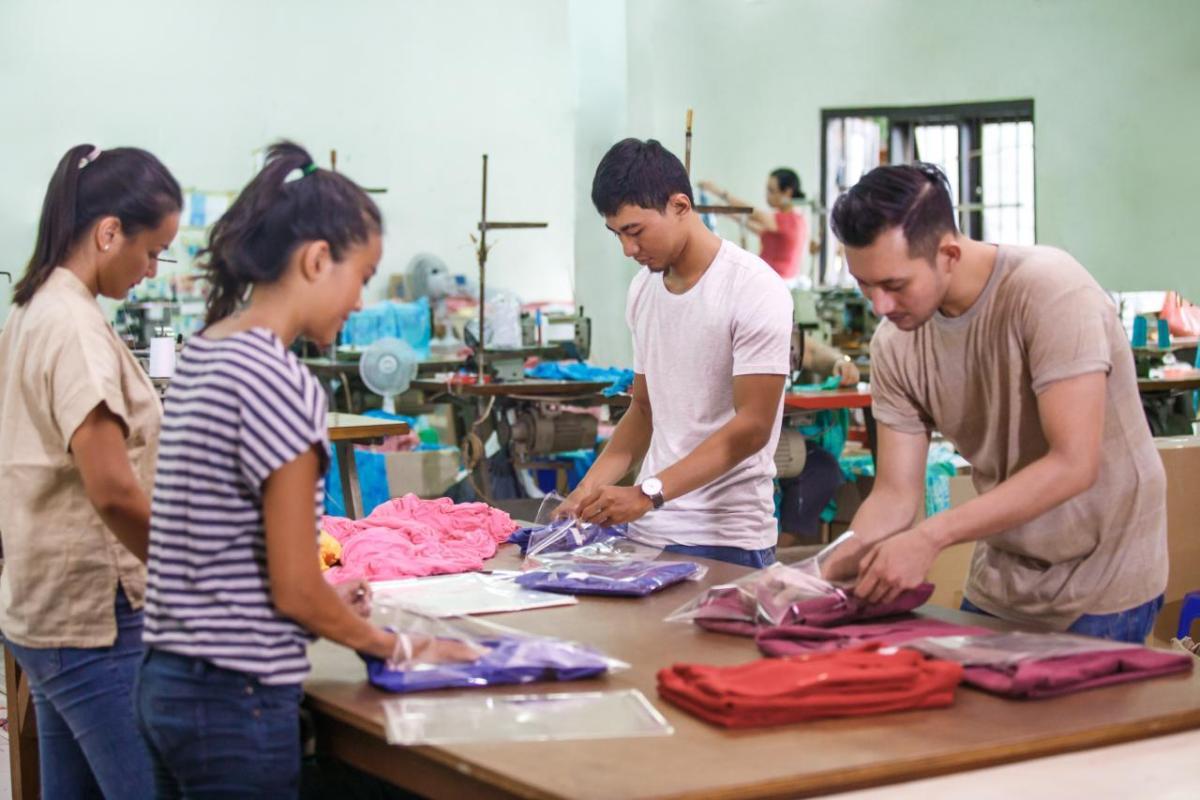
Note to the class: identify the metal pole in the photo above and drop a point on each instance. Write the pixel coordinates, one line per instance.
(479, 353)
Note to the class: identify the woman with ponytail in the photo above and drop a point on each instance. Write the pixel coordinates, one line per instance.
(235, 589)
(79, 423)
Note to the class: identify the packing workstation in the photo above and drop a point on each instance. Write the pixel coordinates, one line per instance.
(601, 399)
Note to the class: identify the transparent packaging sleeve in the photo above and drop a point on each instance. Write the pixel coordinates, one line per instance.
(1010, 649)
(463, 652)
(623, 713)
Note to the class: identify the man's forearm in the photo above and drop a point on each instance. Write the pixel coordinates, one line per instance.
(727, 447)
(629, 443)
(884, 514)
(1043, 485)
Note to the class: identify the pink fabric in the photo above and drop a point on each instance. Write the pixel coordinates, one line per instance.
(1051, 677)
(409, 537)
(792, 640)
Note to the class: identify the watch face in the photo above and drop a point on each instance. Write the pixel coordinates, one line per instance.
(652, 486)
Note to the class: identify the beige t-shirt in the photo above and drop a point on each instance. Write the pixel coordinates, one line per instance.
(59, 359)
(975, 378)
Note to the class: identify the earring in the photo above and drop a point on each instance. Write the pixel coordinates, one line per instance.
(106, 248)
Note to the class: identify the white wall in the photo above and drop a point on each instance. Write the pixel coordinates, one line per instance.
(410, 93)
(1116, 87)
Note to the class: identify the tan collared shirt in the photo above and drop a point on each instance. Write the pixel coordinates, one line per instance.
(59, 359)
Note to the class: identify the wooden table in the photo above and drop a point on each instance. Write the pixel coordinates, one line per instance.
(702, 761)
(541, 389)
(347, 430)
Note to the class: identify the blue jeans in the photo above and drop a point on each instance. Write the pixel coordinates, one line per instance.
(88, 742)
(1132, 625)
(216, 733)
(732, 555)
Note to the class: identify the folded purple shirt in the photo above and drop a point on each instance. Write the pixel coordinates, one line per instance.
(727, 610)
(591, 534)
(629, 579)
(508, 660)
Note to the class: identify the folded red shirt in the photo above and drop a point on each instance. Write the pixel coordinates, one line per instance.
(831, 609)
(787, 690)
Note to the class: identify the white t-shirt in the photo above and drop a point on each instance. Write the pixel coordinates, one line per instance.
(736, 320)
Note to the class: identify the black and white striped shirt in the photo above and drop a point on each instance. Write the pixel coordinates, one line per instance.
(238, 409)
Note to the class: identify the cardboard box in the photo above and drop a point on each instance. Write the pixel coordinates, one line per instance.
(425, 473)
(1181, 459)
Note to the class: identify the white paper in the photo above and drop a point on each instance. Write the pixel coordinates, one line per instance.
(460, 595)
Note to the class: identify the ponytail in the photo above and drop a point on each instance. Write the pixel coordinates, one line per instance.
(127, 183)
(290, 202)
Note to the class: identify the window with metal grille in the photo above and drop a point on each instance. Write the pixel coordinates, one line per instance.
(986, 150)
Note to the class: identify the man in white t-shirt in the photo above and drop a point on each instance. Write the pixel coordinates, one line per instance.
(711, 328)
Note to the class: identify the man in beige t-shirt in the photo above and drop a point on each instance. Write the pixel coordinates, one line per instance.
(1017, 356)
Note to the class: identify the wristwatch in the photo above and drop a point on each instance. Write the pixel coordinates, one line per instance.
(652, 488)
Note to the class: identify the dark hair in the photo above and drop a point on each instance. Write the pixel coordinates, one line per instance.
(127, 183)
(915, 197)
(288, 203)
(788, 179)
(644, 174)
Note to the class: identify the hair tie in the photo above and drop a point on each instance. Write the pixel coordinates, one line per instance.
(300, 172)
(90, 157)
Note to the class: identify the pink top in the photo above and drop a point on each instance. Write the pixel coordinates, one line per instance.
(784, 247)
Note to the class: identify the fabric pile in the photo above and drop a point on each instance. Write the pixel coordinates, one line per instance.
(409, 537)
(783, 691)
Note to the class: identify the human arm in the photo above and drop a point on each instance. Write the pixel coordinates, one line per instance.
(630, 440)
(826, 360)
(756, 404)
(1071, 413)
(298, 590)
(760, 219)
(98, 446)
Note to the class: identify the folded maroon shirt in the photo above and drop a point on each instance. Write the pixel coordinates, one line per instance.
(730, 612)
(791, 640)
(787, 690)
(1051, 677)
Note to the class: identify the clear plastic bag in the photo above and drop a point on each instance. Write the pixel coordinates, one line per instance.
(1010, 649)
(764, 597)
(461, 652)
(573, 573)
(620, 714)
(597, 544)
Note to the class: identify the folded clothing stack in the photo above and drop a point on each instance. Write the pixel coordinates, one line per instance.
(792, 640)
(787, 690)
(506, 660)
(629, 579)
(729, 610)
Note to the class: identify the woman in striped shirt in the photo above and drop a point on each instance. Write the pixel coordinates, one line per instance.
(235, 592)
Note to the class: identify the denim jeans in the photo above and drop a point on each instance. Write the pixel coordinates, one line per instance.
(217, 733)
(1131, 625)
(732, 555)
(88, 742)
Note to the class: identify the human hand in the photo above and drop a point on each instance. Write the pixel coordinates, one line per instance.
(582, 496)
(614, 505)
(847, 371)
(357, 595)
(411, 647)
(894, 565)
(842, 563)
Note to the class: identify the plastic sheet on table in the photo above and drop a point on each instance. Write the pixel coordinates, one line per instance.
(1012, 648)
(559, 716)
(460, 595)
